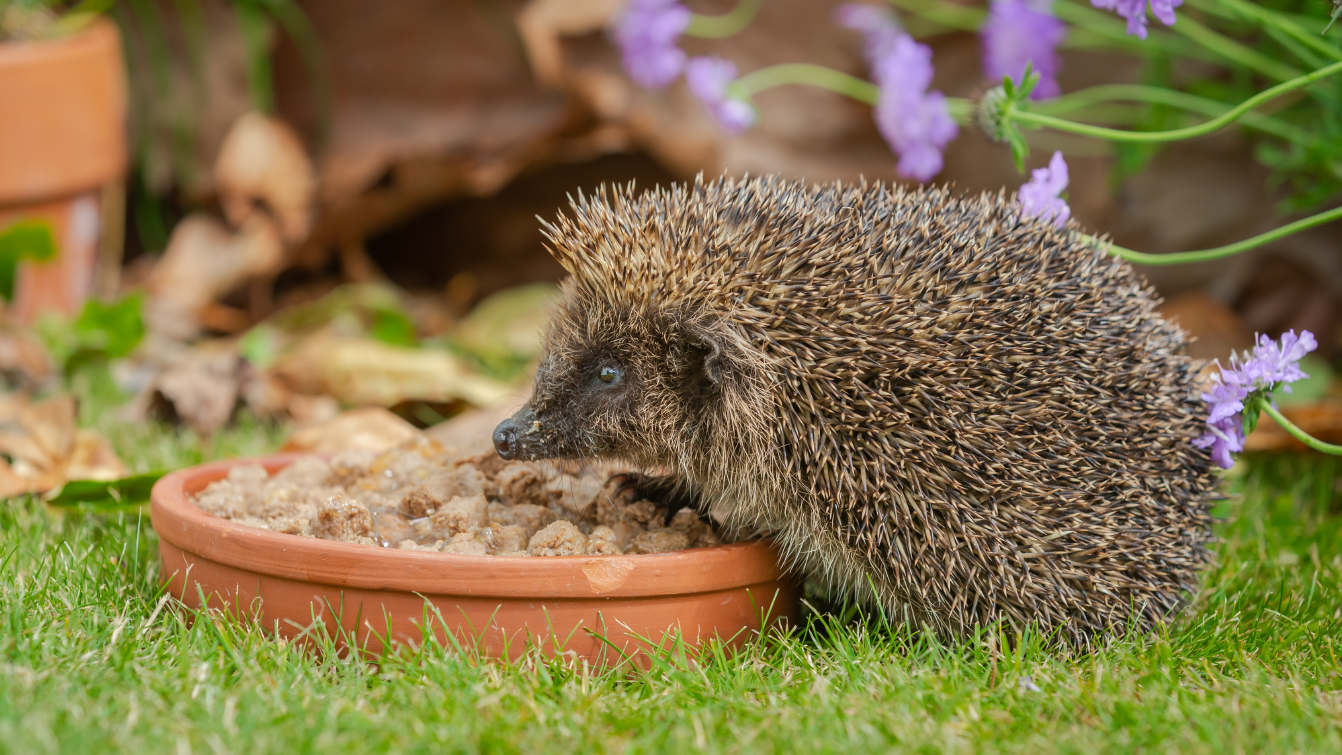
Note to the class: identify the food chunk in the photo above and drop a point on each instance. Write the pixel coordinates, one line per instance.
(466, 544)
(423, 497)
(659, 541)
(560, 538)
(341, 518)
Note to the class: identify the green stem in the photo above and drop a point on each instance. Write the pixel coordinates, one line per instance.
(950, 15)
(1222, 251)
(1039, 120)
(1231, 51)
(1255, 12)
(811, 75)
(1161, 96)
(1088, 28)
(1299, 434)
(729, 23)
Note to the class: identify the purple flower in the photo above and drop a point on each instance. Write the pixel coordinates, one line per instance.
(1269, 365)
(646, 33)
(879, 27)
(1020, 32)
(708, 79)
(915, 122)
(1039, 198)
(1135, 12)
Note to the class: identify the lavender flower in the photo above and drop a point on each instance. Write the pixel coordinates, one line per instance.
(915, 122)
(1020, 32)
(1039, 198)
(1135, 12)
(1249, 380)
(708, 79)
(647, 33)
(879, 28)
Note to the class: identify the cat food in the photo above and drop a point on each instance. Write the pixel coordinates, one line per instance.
(423, 497)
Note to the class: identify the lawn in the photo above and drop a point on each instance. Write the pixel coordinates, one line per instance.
(94, 658)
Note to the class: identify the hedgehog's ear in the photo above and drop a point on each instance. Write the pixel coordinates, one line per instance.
(707, 348)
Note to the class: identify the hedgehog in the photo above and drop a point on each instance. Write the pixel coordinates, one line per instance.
(933, 404)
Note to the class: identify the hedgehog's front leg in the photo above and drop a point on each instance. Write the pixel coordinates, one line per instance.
(668, 490)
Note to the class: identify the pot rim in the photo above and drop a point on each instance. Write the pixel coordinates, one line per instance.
(293, 557)
(23, 52)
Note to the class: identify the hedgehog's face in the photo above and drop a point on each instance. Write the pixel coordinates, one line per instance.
(614, 383)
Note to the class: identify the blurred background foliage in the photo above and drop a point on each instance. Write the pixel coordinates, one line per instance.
(333, 204)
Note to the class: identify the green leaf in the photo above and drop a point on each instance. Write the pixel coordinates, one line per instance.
(128, 491)
(26, 239)
(260, 346)
(113, 329)
(393, 327)
(1020, 149)
(1253, 406)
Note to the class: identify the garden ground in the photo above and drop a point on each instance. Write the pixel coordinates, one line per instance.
(93, 658)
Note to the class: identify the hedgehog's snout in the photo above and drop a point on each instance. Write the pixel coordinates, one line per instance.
(510, 435)
(505, 439)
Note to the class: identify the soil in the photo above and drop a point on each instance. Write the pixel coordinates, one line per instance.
(424, 497)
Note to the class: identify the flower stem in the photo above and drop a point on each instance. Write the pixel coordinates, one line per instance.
(729, 23)
(812, 75)
(1299, 434)
(1040, 120)
(1231, 51)
(1088, 28)
(1267, 17)
(1161, 96)
(1223, 251)
(950, 15)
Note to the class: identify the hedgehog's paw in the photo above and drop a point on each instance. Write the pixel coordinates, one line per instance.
(631, 487)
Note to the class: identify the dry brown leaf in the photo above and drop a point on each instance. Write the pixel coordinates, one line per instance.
(364, 372)
(201, 389)
(92, 458)
(46, 450)
(24, 361)
(263, 163)
(204, 261)
(311, 410)
(475, 425)
(1216, 330)
(371, 428)
(543, 22)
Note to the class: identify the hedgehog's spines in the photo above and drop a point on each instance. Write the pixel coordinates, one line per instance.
(990, 405)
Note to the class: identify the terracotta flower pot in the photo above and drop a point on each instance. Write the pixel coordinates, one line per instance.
(62, 139)
(498, 605)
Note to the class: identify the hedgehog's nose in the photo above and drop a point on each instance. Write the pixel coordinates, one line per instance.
(505, 439)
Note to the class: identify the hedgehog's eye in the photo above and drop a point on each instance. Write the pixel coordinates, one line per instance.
(610, 375)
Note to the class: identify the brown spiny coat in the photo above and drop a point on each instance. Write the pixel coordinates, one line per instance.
(932, 402)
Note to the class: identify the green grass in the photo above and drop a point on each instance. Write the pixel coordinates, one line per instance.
(92, 659)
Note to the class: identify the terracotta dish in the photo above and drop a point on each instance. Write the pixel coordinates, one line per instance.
(498, 605)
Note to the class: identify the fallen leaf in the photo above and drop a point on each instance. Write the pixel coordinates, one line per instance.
(1216, 330)
(311, 410)
(542, 22)
(370, 428)
(475, 425)
(204, 261)
(262, 163)
(24, 361)
(505, 329)
(45, 448)
(199, 386)
(124, 491)
(365, 372)
(92, 458)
